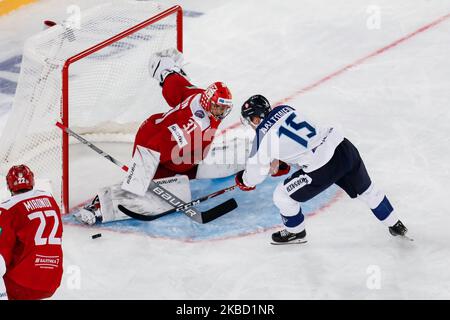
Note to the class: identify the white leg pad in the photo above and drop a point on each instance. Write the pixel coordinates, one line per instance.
(372, 196)
(224, 159)
(111, 197)
(288, 206)
(141, 170)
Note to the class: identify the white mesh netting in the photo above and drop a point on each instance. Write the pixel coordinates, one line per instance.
(110, 91)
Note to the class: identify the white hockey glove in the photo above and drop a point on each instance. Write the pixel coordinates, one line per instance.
(165, 62)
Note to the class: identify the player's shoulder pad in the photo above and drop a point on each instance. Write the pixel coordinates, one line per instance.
(198, 113)
(4, 203)
(4, 206)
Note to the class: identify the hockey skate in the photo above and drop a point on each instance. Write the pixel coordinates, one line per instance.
(165, 62)
(90, 214)
(286, 237)
(399, 229)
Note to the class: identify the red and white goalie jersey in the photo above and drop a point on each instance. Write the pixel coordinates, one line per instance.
(30, 245)
(182, 136)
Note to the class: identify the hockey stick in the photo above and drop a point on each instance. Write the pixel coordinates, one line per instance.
(207, 216)
(154, 187)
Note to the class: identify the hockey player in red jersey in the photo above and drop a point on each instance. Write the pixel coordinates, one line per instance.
(182, 135)
(30, 240)
(177, 141)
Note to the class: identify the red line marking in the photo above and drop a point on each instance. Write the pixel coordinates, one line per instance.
(351, 65)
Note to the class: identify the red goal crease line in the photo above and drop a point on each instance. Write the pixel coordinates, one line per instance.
(351, 65)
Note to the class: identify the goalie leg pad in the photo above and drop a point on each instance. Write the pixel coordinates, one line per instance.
(224, 159)
(163, 63)
(141, 170)
(111, 197)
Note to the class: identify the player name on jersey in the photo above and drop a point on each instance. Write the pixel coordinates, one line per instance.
(274, 118)
(34, 204)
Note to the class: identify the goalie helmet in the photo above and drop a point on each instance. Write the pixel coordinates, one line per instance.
(255, 106)
(20, 178)
(216, 100)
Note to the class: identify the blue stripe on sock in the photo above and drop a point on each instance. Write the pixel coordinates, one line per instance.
(383, 210)
(293, 221)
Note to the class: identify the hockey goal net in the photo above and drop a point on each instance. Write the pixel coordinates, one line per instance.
(91, 75)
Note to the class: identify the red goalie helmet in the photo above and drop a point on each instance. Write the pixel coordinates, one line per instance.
(216, 100)
(20, 178)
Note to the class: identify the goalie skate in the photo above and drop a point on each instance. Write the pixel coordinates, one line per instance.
(165, 62)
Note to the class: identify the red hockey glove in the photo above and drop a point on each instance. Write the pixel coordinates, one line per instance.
(283, 168)
(240, 182)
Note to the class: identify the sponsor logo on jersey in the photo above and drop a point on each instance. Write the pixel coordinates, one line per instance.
(200, 114)
(298, 183)
(178, 135)
(1, 230)
(46, 262)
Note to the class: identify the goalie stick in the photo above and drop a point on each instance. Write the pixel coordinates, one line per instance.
(207, 216)
(159, 191)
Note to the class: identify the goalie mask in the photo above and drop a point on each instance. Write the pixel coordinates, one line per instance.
(216, 100)
(20, 178)
(255, 106)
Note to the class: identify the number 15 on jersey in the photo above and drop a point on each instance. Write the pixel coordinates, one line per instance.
(294, 126)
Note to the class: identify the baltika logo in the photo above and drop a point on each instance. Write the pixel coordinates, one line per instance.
(200, 114)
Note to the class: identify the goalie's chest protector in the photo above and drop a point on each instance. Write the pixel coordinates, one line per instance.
(188, 132)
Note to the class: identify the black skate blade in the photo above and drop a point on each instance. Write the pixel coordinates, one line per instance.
(297, 241)
(406, 238)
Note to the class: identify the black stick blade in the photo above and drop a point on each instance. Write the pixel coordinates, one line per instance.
(218, 211)
(135, 215)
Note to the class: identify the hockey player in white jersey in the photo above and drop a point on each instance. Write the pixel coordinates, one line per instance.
(324, 157)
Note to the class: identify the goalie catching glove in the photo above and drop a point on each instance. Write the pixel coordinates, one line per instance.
(240, 182)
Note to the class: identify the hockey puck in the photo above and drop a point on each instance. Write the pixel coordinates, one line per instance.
(95, 236)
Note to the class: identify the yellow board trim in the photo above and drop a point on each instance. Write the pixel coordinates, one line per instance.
(6, 6)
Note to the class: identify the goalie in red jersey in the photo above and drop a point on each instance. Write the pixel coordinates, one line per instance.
(180, 138)
(173, 143)
(31, 256)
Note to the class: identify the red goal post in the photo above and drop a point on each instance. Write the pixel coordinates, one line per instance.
(65, 195)
(93, 77)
